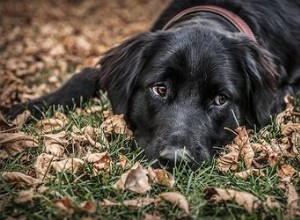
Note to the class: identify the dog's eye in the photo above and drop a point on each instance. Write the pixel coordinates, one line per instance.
(220, 100)
(160, 90)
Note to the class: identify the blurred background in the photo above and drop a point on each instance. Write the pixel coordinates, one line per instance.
(43, 42)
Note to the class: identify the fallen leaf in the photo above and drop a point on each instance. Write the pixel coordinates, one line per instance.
(21, 118)
(290, 128)
(89, 135)
(42, 165)
(64, 204)
(245, 174)
(25, 196)
(18, 177)
(154, 216)
(133, 203)
(94, 143)
(88, 206)
(123, 161)
(14, 143)
(47, 125)
(292, 199)
(71, 165)
(135, 180)
(285, 170)
(100, 162)
(246, 151)
(161, 176)
(272, 203)
(245, 199)
(4, 155)
(4, 125)
(116, 124)
(176, 199)
(55, 143)
(230, 160)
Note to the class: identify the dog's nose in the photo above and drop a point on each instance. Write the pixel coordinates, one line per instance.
(170, 157)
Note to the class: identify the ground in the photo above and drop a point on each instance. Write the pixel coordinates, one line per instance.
(80, 163)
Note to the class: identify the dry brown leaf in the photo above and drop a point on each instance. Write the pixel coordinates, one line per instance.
(153, 216)
(55, 143)
(161, 176)
(47, 125)
(229, 161)
(176, 199)
(94, 109)
(290, 128)
(246, 151)
(26, 196)
(4, 155)
(272, 203)
(64, 204)
(88, 206)
(133, 203)
(116, 124)
(94, 143)
(285, 170)
(50, 124)
(284, 117)
(123, 161)
(4, 125)
(135, 180)
(42, 165)
(89, 135)
(18, 177)
(245, 199)
(292, 199)
(14, 143)
(71, 165)
(21, 118)
(100, 162)
(245, 174)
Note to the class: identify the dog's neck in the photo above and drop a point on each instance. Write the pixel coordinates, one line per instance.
(211, 17)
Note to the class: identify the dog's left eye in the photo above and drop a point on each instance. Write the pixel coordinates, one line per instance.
(160, 90)
(220, 100)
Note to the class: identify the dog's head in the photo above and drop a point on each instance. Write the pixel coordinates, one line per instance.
(179, 89)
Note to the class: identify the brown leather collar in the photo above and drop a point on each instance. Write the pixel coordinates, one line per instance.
(234, 19)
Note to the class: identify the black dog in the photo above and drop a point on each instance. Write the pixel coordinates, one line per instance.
(205, 65)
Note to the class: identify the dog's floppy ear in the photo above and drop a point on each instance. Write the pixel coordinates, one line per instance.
(261, 73)
(120, 68)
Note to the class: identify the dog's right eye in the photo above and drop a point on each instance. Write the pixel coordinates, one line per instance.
(160, 90)
(220, 100)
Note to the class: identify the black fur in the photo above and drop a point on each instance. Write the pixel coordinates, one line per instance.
(199, 58)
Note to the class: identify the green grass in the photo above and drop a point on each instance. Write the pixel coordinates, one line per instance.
(96, 188)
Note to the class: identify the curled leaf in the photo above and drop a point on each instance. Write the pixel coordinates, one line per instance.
(245, 199)
(18, 177)
(116, 124)
(245, 174)
(176, 199)
(55, 143)
(72, 165)
(42, 165)
(14, 143)
(161, 176)
(134, 203)
(64, 204)
(135, 180)
(88, 206)
(100, 162)
(47, 125)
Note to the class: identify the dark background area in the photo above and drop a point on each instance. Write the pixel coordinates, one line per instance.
(43, 42)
